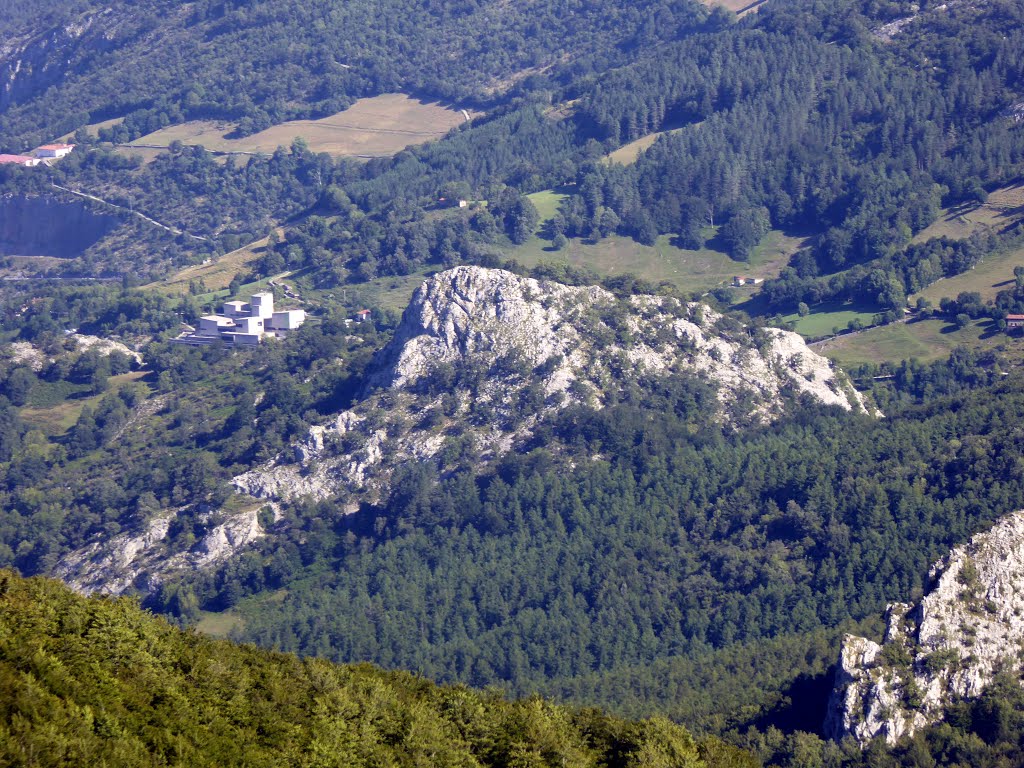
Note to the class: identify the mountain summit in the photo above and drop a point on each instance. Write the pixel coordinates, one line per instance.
(481, 355)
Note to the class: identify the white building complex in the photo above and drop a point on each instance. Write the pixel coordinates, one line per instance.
(245, 324)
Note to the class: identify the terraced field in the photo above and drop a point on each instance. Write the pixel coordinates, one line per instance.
(374, 127)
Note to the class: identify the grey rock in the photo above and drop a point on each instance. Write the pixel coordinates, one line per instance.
(524, 337)
(968, 626)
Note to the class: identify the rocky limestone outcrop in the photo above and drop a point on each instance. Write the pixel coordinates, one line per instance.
(968, 626)
(482, 354)
(104, 347)
(139, 561)
(42, 58)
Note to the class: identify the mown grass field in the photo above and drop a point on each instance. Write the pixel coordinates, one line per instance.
(924, 340)
(1003, 207)
(219, 624)
(826, 317)
(373, 127)
(216, 275)
(993, 274)
(546, 202)
(700, 270)
(94, 128)
(738, 6)
(628, 153)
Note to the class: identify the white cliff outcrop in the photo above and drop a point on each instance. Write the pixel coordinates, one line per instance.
(967, 627)
(481, 355)
(141, 561)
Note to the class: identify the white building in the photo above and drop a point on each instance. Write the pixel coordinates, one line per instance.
(24, 160)
(53, 151)
(245, 323)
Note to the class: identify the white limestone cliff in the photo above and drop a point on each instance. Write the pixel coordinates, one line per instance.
(968, 626)
(142, 561)
(475, 343)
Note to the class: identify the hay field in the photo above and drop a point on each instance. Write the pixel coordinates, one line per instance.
(925, 340)
(376, 127)
(217, 274)
(627, 154)
(992, 275)
(740, 7)
(1003, 207)
(700, 270)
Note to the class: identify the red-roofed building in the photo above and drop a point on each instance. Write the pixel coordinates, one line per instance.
(55, 151)
(28, 162)
(1015, 321)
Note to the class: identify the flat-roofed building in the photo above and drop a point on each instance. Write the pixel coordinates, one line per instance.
(245, 324)
(54, 151)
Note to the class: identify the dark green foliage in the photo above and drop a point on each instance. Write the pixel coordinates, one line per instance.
(681, 537)
(261, 64)
(100, 682)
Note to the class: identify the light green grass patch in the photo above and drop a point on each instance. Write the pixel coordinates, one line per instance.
(56, 418)
(390, 293)
(925, 340)
(993, 274)
(546, 202)
(1003, 207)
(824, 318)
(700, 270)
(217, 274)
(627, 154)
(219, 624)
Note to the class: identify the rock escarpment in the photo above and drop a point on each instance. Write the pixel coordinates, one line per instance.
(144, 560)
(481, 355)
(967, 627)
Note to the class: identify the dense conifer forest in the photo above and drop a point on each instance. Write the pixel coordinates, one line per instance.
(645, 557)
(100, 681)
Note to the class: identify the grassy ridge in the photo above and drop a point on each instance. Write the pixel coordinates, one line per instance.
(100, 682)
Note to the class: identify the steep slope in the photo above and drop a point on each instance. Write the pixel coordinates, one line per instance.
(100, 682)
(272, 60)
(968, 627)
(482, 355)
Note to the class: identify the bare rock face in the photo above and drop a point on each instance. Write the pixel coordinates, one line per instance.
(481, 355)
(140, 561)
(968, 626)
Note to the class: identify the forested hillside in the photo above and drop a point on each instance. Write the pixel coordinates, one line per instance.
(262, 63)
(99, 681)
(683, 537)
(645, 547)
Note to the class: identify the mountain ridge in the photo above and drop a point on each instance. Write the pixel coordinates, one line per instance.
(497, 352)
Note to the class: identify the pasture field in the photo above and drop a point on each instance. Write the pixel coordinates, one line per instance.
(992, 275)
(57, 419)
(392, 292)
(824, 317)
(1003, 207)
(546, 202)
(740, 7)
(219, 624)
(375, 127)
(925, 340)
(628, 153)
(700, 270)
(216, 275)
(93, 128)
